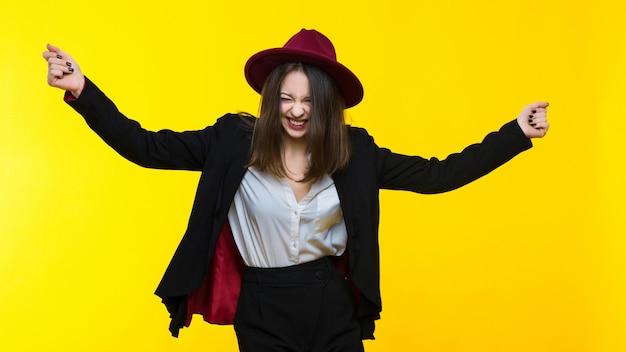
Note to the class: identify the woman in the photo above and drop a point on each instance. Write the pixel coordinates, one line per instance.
(282, 239)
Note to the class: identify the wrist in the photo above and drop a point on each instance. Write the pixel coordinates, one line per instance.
(78, 91)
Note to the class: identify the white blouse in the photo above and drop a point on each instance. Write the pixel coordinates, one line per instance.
(272, 229)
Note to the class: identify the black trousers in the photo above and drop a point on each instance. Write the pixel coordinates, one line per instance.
(306, 307)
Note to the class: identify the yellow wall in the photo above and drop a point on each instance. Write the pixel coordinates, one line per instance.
(530, 258)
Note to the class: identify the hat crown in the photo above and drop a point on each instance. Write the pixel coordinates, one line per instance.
(314, 42)
(310, 47)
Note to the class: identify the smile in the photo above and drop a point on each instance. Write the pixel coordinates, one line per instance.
(297, 122)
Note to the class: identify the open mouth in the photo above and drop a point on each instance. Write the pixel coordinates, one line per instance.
(297, 124)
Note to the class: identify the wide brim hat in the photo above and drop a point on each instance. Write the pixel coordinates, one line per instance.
(310, 47)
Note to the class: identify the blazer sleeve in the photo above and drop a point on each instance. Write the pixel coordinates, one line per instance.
(417, 174)
(164, 149)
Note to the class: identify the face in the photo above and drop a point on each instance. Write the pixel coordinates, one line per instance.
(295, 104)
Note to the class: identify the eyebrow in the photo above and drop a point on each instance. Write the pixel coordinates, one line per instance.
(291, 96)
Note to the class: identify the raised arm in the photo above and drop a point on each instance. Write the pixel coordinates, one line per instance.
(164, 149)
(432, 175)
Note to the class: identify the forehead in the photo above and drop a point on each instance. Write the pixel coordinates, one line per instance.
(295, 83)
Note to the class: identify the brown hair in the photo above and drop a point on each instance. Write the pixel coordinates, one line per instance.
(327, 135)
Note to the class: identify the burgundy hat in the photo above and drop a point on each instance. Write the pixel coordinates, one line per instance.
(311, 47)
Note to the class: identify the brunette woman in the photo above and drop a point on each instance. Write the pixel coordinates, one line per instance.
(282, 240)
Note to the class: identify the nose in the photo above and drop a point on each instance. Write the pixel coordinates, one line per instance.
(298, 109)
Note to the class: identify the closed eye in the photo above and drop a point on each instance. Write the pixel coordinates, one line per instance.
(286, 97)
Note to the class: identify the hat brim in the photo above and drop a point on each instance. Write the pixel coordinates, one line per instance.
(260, 65)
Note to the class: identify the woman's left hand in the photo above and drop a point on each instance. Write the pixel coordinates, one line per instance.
(533, 120)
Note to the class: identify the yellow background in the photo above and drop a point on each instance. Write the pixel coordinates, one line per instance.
(529, 258)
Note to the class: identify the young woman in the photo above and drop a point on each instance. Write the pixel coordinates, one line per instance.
(282, 240)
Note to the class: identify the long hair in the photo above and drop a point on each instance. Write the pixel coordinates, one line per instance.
(327, 135)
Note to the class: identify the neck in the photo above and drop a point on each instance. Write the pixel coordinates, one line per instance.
(295, 159)
(294, 148)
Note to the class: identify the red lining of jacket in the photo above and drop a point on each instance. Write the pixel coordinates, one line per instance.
(216, 300)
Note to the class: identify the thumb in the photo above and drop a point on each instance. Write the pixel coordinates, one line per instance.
(56, 50)
(539, 104)
(53, 48)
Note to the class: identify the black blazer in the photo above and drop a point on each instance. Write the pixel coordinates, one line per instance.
(220, 152)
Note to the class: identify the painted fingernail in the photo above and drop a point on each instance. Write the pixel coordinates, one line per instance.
(59, 57)
(531, 116)
(534, 111)
(71, 69)
(69, 64)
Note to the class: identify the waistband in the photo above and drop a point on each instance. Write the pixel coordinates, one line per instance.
(309, 272)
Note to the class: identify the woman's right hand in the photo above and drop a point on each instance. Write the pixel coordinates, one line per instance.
(63, 71)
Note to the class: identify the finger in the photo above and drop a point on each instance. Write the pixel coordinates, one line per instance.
(55, 73)
(54, 49)
(539, 105)
(56, 60)
(52, 52)
(61, 68)
(53, 58)
(541, 128)
(537, 117)
(47, 55)
(538, 123)
(533, 119)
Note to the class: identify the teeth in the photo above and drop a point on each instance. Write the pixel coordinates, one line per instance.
(297, 123)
